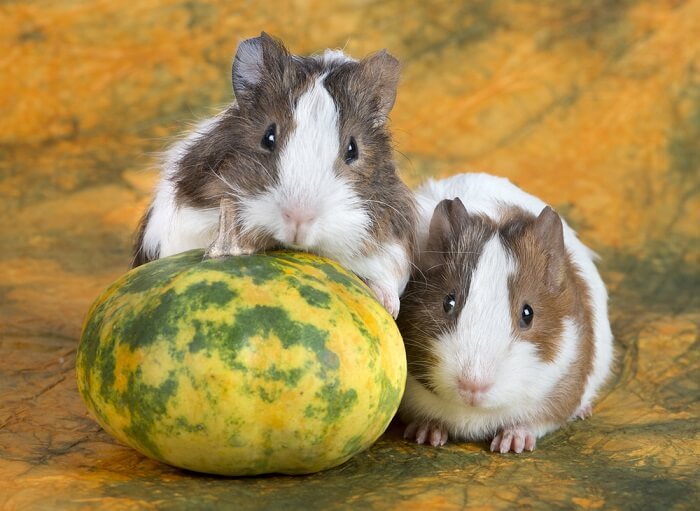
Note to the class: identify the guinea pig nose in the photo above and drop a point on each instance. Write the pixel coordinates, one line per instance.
(473, 386)
(297, 215)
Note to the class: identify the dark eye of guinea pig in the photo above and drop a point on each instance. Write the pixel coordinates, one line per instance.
(526, 316)
(268, 140)
(351, 151)
(448, 304)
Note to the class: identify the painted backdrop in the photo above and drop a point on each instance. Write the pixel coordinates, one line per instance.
(593, 105)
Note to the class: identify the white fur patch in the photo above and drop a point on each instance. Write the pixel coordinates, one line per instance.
(329, 57)
(307, 182)
(482, 337)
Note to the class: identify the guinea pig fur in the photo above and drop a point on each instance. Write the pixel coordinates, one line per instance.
(505, 318)
(301, 159)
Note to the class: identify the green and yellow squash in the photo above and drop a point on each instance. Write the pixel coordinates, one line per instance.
(245, 365)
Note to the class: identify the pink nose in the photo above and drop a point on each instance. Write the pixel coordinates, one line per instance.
(297, 216)
(296, 219)
(468, 385)
(472, 391)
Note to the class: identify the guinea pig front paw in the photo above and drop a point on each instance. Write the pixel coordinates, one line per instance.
(583, 412)
(422, 432)
(217, 250)
(387, 297)
(514, 439)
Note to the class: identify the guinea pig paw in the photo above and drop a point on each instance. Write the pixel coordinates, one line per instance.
(514, 439)
(432, 433)
(388, 298)
(583, 412)
(216, 251)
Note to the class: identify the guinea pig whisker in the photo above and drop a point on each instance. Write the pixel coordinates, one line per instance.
(399, 213)
(420, 330)
(251, 164)
(428, 335)
(417, 268)
(440, 327)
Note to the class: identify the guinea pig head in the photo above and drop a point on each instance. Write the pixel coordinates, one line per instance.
(314, 144)
(484, 318)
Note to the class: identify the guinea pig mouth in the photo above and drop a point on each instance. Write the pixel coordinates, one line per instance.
(299, 237)
(299, 242)
(474, 401)
(482, 406)
(477, 401)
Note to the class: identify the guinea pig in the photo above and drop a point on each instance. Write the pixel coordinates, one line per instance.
(301, 159)
(504, 319)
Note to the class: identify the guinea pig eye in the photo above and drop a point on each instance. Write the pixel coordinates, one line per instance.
(526, 316)
(449, 303)
(351, 151)
(268, 140)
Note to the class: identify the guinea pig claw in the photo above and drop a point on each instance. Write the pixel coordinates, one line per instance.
(438, 436)
(389, 299)
(426, 433)
(583, 412)
(218, 249)
(421, 433)
(516, 439)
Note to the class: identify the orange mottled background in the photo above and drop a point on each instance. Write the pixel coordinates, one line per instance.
(593, 105)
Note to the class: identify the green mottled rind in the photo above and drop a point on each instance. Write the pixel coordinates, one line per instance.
(247, 365)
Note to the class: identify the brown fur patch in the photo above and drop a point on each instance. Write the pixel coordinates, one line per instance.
(139, 257)
(364, 93)
(548, 281)
(456, 240)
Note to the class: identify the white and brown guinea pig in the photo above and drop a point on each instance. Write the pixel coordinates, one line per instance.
(301, 159)
(505, 318)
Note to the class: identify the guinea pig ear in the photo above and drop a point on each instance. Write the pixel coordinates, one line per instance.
(449, 214)
(256, 59)
(549, 233)
(380, 77)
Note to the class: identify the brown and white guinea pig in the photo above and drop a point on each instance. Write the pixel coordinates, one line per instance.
(301, 159)
(505, 318)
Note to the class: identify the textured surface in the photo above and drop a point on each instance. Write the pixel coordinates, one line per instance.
(593, 105)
